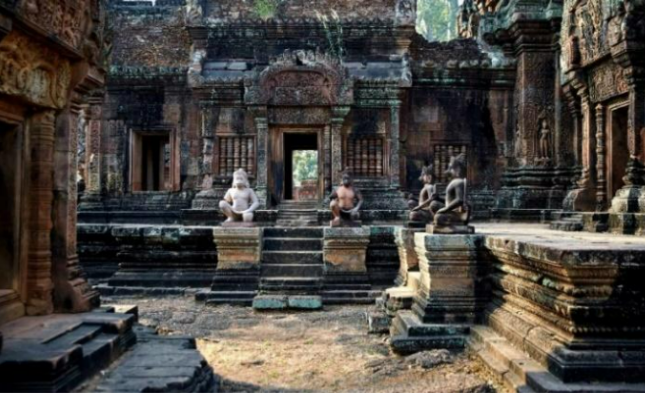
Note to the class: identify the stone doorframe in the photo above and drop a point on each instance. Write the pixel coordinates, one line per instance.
(305, 89)
(12, 302)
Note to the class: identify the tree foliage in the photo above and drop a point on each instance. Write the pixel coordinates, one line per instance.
(305, 165)
(436, 19)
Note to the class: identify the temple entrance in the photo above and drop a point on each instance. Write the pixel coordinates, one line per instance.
(617, 149)
(296, 166)
(10, 170)
(150, 162)
(301, 167)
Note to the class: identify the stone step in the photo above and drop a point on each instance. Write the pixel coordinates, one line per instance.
(290, 284)
(215, 295)
(80, 335)
(292, 257)
(307, 233)
(297, 223)
(517, 371)
(233, 301)
(292, 244)
(292, 270)
(349, 297)
(283, 302)
(407, 321)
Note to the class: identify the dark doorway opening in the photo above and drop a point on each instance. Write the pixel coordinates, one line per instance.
(301, 166)
(151, 159)
(618, 150)
(10, 170)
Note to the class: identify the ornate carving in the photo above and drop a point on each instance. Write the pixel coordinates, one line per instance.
(194, 12)
(606, 81)
(68, 20)
(405, 12)
(301, 78)
(33, 71)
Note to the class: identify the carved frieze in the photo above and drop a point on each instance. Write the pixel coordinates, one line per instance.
(33, 71)
(68, 20)
(301, 78)
(606, 81)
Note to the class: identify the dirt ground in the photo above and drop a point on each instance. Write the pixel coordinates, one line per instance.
(322, 351)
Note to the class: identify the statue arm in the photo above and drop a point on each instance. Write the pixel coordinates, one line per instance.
(359, 198)
(334, 195)
(456, 203)
(424, 200)
(228, 198)
(255, 203)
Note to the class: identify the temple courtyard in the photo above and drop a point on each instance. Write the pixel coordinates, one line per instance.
(321, 351)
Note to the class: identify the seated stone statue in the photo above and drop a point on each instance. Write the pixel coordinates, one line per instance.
(346, 200)
(429, 200)
(455, 215)
(240, 200)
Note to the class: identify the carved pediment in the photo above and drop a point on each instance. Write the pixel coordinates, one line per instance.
(67, 20)
(301, 78)
(34, 72)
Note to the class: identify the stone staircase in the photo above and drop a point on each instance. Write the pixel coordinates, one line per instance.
(564, 221)
(297, 213)
(292, 261)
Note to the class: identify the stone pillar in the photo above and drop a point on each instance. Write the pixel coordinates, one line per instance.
(72, 293)
(239, 253)
(328, 161)
(206, 199)
(337, 120)
(395, 172)
(262, 127)
(39, 271)
(601, 150)
(450, 296)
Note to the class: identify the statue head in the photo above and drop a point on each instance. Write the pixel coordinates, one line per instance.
(346, 179)
(240, 179)
(427, 174)
(457, 166)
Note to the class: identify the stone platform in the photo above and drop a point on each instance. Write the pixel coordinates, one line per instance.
(57, 352)
(552, 310)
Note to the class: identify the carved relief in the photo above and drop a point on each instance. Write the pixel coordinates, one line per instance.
(33, 71)
(301, 78)
(606, 81)
(406, 12)
(66, 19)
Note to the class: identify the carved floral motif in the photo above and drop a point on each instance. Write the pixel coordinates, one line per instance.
(33, 71)
(67, 19)
(301, 78)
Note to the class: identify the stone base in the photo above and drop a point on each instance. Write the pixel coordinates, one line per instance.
(345, 249)
(238, 248)
(450, 230)
(408, 334)
(408, 260)
(629, 199)
(516, 371)
(57, 352)
(160, 364)
(452, 287)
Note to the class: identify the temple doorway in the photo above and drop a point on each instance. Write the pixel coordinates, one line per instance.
(301, 167)
(10, 173)
(296, 166)
(151, 162)
(617, 149)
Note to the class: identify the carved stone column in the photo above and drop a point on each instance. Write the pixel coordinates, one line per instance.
(337, 120)
(262, 127)
(72, 293)
(39, 272)
(395, 173)
(601, 183)
(206, 199)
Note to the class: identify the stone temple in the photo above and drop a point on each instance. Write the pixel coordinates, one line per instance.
(487, 193)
